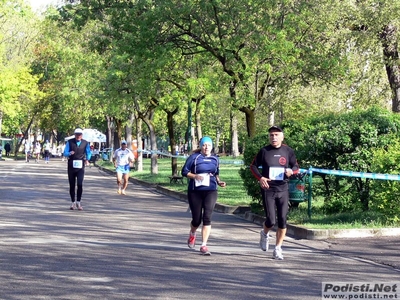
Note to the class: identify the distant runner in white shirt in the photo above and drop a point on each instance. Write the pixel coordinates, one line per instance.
(38, 149)
(47, 148)
(28, 148)
(123, 159)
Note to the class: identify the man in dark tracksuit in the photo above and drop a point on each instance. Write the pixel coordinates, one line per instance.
(278, 163)
(77, 150)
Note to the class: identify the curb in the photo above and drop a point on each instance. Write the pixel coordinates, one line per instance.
(295, 231)
(300, 232)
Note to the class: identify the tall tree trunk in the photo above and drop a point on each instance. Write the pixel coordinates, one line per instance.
(153, 142)
(139, 134)
(391, 54)
(199, 132)
(250, 121)
(59, 137)
(271, 118)
(188, 134)
(217, 140)
(128, 130)
(111, 135)
(195, 142)
(172, 141)
(234, 135)
(26, 135)
(197, 114)
(237, 77)
(234, 122)
(110, 132)
(117, 134)
(147, 118)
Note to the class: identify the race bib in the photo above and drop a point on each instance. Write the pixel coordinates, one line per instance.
(77, 164)
(205, 181)
(276, 173)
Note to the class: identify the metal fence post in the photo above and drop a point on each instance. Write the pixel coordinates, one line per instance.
(309, 191)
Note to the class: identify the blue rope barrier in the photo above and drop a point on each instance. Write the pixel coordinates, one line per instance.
(222, 161)
(356, 174)
(161, 153)
(310, 170)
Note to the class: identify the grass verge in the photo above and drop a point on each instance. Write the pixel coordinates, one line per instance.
(345, 220)
(234, 194)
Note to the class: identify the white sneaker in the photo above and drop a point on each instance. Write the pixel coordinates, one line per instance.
(73, 206)
(278, 254)
(264, 241)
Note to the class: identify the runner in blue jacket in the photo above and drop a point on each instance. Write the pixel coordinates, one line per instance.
(202, 168)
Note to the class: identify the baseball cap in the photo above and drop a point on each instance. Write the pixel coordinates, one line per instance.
(275, 128)
(78, 131)
(123, 142)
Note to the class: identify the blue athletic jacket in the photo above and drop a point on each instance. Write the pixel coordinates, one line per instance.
(197, 163)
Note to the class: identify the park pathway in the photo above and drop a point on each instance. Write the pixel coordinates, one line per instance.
(134, 247)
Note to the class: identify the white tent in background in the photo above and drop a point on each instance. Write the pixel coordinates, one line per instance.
(91, 135)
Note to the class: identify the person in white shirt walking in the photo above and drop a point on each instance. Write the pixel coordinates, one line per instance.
(28, 149)
(47, 148)
(123, 159)
(38, 150)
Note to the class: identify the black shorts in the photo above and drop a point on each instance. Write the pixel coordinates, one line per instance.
(275, 201)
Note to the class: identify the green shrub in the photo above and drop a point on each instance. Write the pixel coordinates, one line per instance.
(343, 142)
(341, 201)
(385, 197)
(348, 141)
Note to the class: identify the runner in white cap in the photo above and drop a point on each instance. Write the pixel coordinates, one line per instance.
(123, 159)
(77, 150)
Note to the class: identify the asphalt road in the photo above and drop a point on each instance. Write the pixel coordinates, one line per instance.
(134, 247)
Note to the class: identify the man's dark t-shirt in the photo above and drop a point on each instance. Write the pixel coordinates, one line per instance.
(274, 161)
